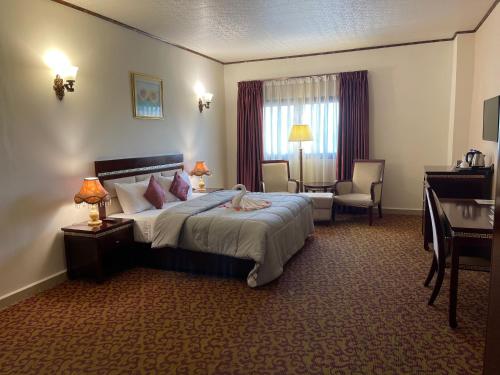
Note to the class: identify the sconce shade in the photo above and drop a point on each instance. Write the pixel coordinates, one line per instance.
(199, 89)
(207, 97)
(300, 133)
(70, 73)
(200, 169)
(91, 192)
(57, 61)
(60, 65)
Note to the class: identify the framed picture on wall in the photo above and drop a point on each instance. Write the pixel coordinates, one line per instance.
(147, 96)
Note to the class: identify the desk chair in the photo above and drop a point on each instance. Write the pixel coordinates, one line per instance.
(440, 242)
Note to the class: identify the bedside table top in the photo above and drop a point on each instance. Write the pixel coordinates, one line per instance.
(208, 190)
(108, 224)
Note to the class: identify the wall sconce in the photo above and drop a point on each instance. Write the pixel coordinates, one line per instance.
(63, 70)
(205, 100)
(60, 86)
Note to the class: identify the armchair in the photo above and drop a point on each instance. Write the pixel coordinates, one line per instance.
(365, 188)
(276, 177)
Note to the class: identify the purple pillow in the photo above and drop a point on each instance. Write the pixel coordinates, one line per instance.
(179, 187)
(154, 193)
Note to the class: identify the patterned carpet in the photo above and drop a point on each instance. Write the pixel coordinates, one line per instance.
(351, 302)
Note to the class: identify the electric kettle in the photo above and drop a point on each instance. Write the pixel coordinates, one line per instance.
(469, 156)
(475, 158)
(478, 160)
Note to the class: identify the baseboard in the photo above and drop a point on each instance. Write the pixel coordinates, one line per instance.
(32, 289)
(402, 211)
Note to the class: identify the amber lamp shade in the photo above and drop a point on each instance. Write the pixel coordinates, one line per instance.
(93, 194)
(200, 169)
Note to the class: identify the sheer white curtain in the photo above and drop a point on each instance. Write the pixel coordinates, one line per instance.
(309, 100)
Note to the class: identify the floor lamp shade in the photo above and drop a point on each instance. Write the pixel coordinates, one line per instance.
(300, 133)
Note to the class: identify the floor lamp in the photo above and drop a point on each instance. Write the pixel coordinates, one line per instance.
(300, 133)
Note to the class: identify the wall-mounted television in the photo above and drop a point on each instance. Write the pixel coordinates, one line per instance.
(491, 119)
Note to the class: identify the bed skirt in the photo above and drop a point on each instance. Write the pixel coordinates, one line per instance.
(176, 259)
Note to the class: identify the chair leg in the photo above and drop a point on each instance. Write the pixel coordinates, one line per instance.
(432, 271)
(380, 210)
(370, 215)
(437, 285)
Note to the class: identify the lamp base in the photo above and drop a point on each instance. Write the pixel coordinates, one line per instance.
(94, 223)
(301, 179)
(94, 216)
(201, 185)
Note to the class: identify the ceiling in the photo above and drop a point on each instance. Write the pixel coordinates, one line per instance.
(235, 30)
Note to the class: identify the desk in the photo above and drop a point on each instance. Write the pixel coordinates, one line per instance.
(471, 227)
(450, 182)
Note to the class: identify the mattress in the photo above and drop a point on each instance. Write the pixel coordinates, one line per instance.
(144, 221)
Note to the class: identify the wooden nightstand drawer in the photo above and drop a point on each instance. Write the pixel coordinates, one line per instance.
(115, 249)
(116, 240)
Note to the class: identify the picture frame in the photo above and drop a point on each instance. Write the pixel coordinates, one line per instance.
(147, 96)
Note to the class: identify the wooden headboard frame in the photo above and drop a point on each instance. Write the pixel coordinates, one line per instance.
(117, 168)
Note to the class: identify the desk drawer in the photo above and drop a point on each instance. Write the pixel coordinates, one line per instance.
(466, 186)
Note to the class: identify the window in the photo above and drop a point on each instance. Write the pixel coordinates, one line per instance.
(321, 117)
(305, 100)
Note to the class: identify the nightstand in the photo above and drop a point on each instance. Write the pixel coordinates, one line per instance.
(208, 190)
(99, 250)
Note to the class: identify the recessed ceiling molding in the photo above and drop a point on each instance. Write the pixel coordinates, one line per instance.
(145, 33)
(351, 49)
(492, 7)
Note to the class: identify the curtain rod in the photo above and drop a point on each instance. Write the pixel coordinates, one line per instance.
(305, 76)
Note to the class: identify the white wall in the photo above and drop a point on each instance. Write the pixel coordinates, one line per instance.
(486, 80)
(409, 90)
(48, 146)
(461, 96)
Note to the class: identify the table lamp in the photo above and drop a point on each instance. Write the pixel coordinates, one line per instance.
(93, 194)
(300, 133)
(200, 169)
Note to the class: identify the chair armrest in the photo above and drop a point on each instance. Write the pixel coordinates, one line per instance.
(342, 187)
(293, 186)
(376, 192)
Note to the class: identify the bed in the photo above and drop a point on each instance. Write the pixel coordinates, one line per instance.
(203, 234)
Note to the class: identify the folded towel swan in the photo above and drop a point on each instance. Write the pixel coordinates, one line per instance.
(245, 203)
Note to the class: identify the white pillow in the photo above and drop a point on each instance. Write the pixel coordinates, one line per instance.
(131, 197)
(165, 183)
(109, 185)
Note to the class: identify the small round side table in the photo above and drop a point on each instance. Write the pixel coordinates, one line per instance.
(319, 185)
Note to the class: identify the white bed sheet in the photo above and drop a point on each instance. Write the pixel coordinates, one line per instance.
(144, 221)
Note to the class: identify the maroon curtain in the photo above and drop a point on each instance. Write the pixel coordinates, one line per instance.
(250, 142)
(353, 122)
